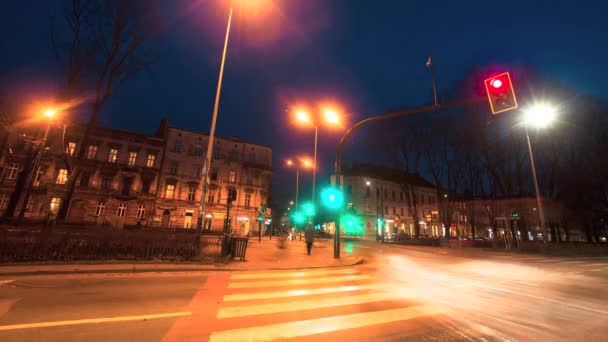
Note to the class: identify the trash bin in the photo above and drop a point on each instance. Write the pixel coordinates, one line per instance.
(239, 247)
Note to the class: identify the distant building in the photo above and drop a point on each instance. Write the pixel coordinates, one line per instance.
(125, 178)
(397, 198)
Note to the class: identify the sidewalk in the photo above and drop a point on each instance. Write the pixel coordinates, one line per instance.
(260, 256)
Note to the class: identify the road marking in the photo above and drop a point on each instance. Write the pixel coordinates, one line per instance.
(303, 292)
(257, 309)
(93, 320)
(271, 283)
(290, 274)
(322, 325)
(6, 281)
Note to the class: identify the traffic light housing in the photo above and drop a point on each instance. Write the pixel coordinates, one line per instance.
(501, 94)
(231, 195)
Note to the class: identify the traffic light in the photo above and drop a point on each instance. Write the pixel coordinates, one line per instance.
(309, 209)
(298, 218)
(231, 195)
(332, 198)
(352, 225)
(501, 94)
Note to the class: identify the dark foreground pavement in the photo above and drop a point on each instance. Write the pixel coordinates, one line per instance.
(401, 293)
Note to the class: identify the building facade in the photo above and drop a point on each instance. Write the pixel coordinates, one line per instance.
(236, 164)
(393, 197)
(124, 178)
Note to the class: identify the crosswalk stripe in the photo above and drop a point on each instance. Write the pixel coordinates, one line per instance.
(302, 292)
(270, 283)
(322, 325)
(250, 310)
(290, 274)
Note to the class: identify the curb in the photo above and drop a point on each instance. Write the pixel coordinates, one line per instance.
(133, 270)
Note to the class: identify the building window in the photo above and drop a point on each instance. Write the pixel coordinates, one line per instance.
(141, 212)
(191, 192)
(234, 155)
(122, 209)
(106, 182)
(62, 176)
(151, 160)
(402, 210)
(213, 174)
(232, 176)
(197, 170)
(3, 201)
(198, 150)
(71, 148)
(132, 158)
(55, 203)
(92, 152)
(173, 168)
(177, 148)
(393, 195)
(13, 168)
(38, 178)
(113, 155)
(217, 154)
(100, 209)
(385, 194)
(249, 178)
(170, 191)
(210, 198)
(401, 195)
(247, 200)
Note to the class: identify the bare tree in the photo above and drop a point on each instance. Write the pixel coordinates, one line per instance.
(101, 45)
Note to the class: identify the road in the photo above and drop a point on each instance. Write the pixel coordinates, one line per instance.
(401, 293)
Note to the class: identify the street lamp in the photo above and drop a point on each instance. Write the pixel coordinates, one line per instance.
(304, 163)
(540, 116)
(331, 117)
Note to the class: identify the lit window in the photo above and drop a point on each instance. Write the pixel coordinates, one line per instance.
(100, 209)
(170, 191)
(232, 177)
(55, 203)
(191, 192)
(151, 160)
(13, 168)
(113, 155)
(71, 148)
(91, 152)
(247, 200)
(141, 212)
(62, 176)
(122, 209)
(132, 158)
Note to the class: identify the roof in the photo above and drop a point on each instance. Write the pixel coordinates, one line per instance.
(389, 174)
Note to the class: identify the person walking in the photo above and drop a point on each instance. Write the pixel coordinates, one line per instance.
(309, 239)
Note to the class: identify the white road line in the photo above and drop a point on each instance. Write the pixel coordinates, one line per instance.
(257, 309)
(322, 325)
(325, 280)
(303, 292)
(93, 320)
(290, 274)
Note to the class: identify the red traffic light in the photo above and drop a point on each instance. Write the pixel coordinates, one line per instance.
(500, 93)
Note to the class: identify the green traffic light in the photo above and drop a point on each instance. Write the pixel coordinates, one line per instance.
(298, 218)
(352, 224)
(309, 209)
(332, 198)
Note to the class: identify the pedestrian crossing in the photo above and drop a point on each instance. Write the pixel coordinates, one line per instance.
(266, 306)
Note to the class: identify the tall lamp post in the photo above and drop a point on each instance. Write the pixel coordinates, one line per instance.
(207, 161)
(331, 117)
(539, 116)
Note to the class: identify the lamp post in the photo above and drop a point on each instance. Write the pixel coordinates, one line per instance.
(331, 117)
(207, 161)
(304, 163)
(539, 115)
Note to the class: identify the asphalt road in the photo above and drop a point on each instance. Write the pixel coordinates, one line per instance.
(402, 293)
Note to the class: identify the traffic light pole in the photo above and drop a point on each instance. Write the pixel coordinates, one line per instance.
(386, 116)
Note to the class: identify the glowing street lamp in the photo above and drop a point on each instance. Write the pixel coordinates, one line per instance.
(304, 163)
(539, 115)
(331, 117)
(49, 113)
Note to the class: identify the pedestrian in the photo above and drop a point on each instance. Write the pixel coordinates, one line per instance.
(309, 239)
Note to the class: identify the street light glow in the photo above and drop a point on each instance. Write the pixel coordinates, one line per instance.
(331, 116)
(368, 183)
(49, 113)
(540, 115)
(302, 116)
(289, 162)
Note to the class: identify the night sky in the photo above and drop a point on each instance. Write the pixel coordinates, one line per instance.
(367, 56)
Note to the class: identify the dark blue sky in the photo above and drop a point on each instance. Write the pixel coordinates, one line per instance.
(366, 55)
